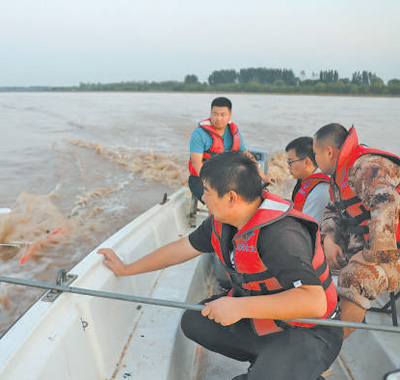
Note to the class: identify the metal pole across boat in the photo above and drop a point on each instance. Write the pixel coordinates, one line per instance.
(184, 305)
(99, 293)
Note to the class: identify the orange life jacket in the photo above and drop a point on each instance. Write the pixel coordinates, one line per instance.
(300, 195)
(356, 213)
(217, 145)
(252, 277)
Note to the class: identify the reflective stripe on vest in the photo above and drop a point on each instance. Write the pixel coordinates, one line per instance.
(251, 277)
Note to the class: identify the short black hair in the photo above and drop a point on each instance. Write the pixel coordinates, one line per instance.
(221, 102)
(333, 134)
(233, 171)
(303, 147)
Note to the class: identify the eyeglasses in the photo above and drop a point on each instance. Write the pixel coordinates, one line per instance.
(290, 163)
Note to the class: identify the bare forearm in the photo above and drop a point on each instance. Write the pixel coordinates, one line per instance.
(171, 254)
(303, 302)
(197, 161)
(197, 167)
(174, 253)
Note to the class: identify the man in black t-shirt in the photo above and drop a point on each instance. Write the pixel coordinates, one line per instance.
(277, 271)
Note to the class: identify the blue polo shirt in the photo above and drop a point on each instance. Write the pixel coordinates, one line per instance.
(201, 141)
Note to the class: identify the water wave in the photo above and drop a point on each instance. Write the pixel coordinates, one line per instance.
(162, 167)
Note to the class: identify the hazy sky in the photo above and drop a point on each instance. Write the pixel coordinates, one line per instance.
(64, 42)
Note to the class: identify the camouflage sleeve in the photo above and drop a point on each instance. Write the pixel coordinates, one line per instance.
(331, 224)
(374, 179)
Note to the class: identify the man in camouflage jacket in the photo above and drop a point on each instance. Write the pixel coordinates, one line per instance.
(360, 228)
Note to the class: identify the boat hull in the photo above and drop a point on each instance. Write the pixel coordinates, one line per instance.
(81, 337)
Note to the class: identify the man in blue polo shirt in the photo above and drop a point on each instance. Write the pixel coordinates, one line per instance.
(214, 135)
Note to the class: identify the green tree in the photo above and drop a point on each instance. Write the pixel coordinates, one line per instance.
(393, 87)
(320, 88)
(263, 75)
(375, 80)
(362, 78)
(191, 79)
(329, 76)
(395, 82)
(356, 78)
(222, 77)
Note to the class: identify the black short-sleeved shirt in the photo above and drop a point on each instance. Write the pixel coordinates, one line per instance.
(285, 247)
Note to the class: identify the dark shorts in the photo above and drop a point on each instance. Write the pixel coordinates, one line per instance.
(196, 187)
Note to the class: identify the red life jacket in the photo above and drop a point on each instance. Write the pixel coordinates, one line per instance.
(217, 145)
(252, 277)
(307, 184)
(356, 213)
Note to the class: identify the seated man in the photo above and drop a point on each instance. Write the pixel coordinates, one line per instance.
(277, 270)
(311, 193)
(214, 135)
(360, 228)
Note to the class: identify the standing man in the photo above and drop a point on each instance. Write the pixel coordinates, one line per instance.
(277, 271)
(311, 193)
(360, 228)
(214, 135)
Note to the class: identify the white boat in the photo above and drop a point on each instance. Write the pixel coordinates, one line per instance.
(81, 337)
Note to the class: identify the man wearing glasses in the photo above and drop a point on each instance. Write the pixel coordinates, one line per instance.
(311, 192)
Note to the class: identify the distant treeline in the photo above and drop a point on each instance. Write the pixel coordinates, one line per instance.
(255, 80)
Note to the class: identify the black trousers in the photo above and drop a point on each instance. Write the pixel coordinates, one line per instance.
(293, 354)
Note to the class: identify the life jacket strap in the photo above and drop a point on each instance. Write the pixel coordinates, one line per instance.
(353, 224)
(321, 269)
(242, 292)
(325, 284)
(344, 204)
(240, 279)
(244, 278)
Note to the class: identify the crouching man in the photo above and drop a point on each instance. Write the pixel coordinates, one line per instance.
(277, 271)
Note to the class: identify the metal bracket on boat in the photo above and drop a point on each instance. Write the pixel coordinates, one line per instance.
(389, 308)
(165, 199)
(63, 279)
